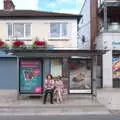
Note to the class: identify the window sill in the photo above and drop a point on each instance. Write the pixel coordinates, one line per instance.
(59, 39)
(24, 39)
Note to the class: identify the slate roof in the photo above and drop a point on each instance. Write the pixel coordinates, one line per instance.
(35, 14)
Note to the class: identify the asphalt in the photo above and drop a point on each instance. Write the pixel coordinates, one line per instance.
(67, 117)
(83, 110)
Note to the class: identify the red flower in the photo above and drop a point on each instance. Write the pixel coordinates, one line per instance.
(39, 43)
(72, 66)
(18, 43)
(1, 43)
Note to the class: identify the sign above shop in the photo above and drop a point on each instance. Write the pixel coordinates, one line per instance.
(116, 45)
(116, 68)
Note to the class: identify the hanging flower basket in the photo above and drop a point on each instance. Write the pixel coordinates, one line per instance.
(18, 44)
(3, 45)
(38, 44)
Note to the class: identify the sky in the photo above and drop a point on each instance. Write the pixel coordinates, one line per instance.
(64, 6)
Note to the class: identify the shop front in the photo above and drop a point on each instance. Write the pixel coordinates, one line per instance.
(77, 68)
(116, 68)
(33, 72)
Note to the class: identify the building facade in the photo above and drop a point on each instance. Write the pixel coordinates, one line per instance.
(88, 28)
(84, 34)
(104, 35)
(108, 38)
(88, 25)
(61, 56)
(57, 30)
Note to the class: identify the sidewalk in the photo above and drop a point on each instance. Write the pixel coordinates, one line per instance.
(73, 105)
(109, 97)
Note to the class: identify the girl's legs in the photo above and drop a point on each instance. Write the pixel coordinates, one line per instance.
(59, 96)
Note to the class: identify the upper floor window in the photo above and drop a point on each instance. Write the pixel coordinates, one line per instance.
(19, 30)
(58, 30)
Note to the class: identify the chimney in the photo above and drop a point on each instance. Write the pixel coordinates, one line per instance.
(9, 5)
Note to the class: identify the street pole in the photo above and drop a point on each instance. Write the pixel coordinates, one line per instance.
(94, 80)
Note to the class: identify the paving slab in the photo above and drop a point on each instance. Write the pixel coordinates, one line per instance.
(72, 105)
(110, 98)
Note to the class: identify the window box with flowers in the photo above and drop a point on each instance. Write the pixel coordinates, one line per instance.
(38, 44)
(18, 44)
(3, 45)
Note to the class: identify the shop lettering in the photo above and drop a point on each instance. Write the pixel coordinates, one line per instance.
(30, 63)
(116, 43)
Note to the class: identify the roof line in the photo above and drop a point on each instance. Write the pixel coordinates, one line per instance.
(83, 5)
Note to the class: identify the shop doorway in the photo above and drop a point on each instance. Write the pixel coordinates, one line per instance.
(80, 73)
(8, 73)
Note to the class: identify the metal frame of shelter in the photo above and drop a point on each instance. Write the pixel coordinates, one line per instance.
(60, 53)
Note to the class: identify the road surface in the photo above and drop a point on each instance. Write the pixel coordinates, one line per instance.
(90, 117)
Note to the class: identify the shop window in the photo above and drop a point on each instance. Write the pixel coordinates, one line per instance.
(116, 71)
(56, 67)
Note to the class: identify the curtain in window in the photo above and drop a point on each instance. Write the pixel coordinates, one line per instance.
(64, 29)
(18, 30)
(27, 30)
(55, 29)
(9, 30)
(56, 67)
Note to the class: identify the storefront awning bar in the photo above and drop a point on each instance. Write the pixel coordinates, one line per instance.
(116, 52)
(55, 53)
(50, 55)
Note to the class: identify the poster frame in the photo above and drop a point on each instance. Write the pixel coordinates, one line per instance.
(28, 93)
(81, 91)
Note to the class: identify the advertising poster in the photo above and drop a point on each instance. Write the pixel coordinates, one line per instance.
(30, 77)
(116, 68)
(80, 75)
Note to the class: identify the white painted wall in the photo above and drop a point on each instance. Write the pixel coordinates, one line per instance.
(108, 40)
(99, 42)
(41, 29)
(84, 26)
(73, 34)
(107, 69)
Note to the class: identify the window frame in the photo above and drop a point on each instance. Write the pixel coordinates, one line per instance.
(13, 31)
(61, 37)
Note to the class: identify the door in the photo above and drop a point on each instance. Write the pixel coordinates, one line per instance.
(31, 81)
(56, 67)
(8, 73)
(80, 76)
